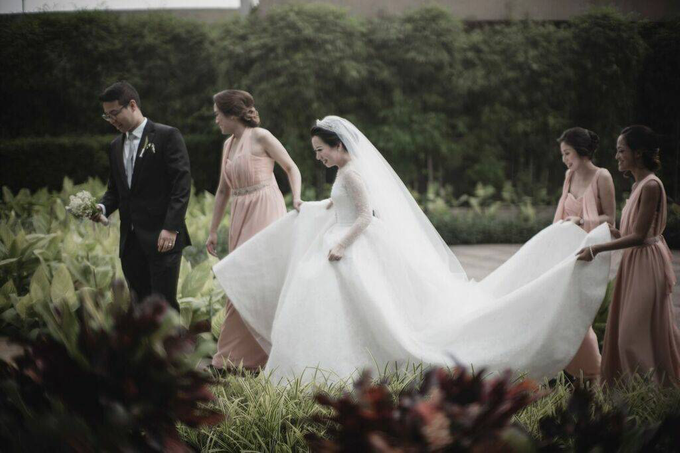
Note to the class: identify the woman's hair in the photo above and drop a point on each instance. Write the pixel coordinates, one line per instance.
(643, 140)
(239, 104)
(328, 137)
(585, 142)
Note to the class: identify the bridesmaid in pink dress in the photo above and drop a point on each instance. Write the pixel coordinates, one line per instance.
(247, 178)
(588, 201)
(641, 335)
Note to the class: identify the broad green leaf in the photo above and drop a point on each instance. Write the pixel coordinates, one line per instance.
(40, 285)
(41, 223)
(8, 288)
(62, 289)
(23, 307)
(8, 261)
(184, 270)
(185, 313)
(7, 195)
(196, 281)
(217, 321)
(59, 209)
(6, 235)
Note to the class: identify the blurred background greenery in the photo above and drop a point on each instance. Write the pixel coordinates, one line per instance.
(451, 104)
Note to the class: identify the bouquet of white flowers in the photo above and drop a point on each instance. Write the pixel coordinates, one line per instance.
(83, 206)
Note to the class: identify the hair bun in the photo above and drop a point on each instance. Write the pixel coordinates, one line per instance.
(251, 117)
(594, 140)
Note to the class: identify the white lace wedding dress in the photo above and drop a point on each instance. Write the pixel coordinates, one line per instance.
(383, 306)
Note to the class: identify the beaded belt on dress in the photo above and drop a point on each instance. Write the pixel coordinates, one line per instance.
(651, 241)
(250, 189)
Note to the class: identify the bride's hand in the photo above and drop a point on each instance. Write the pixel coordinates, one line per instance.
(576, 220)
(336, 253)
(211, 244)
(586, 254)
(297, 204)
(330, 204)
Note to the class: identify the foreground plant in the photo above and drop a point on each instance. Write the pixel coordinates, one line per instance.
(107, 379)
(450, 412)
(583, 425)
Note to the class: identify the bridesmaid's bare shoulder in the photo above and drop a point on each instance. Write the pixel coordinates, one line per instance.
(650, 191)
(262, 135)
(604, 178)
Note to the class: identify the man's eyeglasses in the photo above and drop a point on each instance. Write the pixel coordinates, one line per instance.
(114, 113)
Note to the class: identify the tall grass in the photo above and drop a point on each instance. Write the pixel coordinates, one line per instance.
(263, 417)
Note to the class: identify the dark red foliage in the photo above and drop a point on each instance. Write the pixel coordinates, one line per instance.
(450, 412)
(130, 391)
(584, 426)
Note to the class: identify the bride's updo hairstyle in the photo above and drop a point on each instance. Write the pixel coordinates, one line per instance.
(239, 104)
(329, 137)
(585, 142)
(642, 140)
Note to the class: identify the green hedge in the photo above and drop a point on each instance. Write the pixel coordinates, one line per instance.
(475, 229)
(37, 162)
(442, 101)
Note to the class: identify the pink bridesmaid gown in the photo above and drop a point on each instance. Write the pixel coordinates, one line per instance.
(641, 334)
(589, 207)
(256, 202)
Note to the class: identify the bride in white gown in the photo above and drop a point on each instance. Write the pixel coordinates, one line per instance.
(363, 281)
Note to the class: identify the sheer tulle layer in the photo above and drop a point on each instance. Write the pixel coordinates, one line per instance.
(374, 307)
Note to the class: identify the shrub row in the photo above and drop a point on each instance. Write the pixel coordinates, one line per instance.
(37, 162)
(442, 101)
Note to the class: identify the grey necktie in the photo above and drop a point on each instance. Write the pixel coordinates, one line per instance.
(129, 162)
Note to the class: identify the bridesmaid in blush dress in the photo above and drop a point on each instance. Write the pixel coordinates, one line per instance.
(641, 335)
(587, 201)
(247, 178)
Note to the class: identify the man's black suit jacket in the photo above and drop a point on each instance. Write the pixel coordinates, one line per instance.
(160, 191)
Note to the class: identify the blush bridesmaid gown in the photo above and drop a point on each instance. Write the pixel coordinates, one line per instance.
(641, 334)
(589, 207)
(256, 202)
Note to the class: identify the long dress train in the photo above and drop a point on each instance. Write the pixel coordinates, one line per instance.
(375, 308)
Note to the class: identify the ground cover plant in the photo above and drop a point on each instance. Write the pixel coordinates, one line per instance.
(56, 276)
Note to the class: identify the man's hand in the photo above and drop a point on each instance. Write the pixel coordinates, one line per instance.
(336, 253)
(166, 240)
(97, 216)
(211, 244)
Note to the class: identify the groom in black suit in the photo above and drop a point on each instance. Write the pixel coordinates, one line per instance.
(150, 183)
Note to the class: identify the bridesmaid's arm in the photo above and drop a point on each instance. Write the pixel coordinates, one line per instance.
(276, 151)
(605, 185)
(649, 200)
(221, 199)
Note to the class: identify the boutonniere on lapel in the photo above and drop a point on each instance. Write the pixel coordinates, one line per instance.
(147, 146)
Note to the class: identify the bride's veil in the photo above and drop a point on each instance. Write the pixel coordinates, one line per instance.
(392, 202)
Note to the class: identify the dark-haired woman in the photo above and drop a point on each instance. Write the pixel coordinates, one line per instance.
(641, 335)
(587, 201)
(247, 178)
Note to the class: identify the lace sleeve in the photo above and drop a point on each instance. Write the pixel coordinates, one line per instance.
(356, 189)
